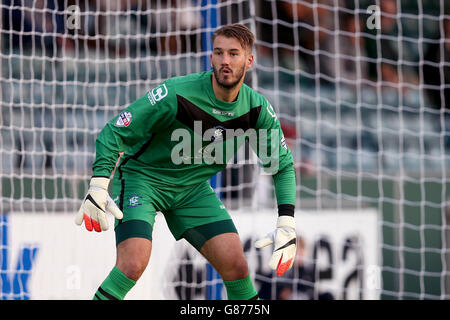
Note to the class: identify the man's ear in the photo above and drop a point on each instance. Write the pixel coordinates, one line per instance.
(250, 60)
(210, 60)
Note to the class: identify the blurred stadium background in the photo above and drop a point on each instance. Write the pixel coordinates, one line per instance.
(361, 89)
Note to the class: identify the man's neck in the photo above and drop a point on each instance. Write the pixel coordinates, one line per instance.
(224, 94)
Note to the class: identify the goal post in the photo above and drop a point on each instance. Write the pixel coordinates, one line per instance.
(360, 88)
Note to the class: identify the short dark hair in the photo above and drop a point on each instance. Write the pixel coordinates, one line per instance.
(237, 31)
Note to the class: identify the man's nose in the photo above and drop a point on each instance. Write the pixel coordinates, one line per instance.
(225, 59)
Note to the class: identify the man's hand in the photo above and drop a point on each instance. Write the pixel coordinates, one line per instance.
(285, 240)
(95, 205)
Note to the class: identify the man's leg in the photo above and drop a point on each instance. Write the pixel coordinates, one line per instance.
(133, 255)
(226, 255)
(133, 237)
(202, 219)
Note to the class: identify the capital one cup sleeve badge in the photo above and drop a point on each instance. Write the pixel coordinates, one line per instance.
(124, 119)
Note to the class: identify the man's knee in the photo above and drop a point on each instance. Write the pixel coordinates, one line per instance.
(132, 257)
(225, 253)
(240, 268)
(236, 269)
(133, 268)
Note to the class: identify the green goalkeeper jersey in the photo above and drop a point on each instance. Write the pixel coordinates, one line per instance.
(180, 134)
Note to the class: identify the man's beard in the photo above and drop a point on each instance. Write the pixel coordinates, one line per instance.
(231, 85)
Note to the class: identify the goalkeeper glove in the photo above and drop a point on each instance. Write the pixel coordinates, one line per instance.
(95, 206)
(285, 240)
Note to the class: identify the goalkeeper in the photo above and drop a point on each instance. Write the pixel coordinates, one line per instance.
(158, 173)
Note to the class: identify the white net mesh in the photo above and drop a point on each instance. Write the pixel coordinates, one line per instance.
(360, 87)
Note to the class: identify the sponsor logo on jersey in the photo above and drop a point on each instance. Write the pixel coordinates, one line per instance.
(271, 111)
(223, 113)
(157, 94)
(283, 142)
(124, 119)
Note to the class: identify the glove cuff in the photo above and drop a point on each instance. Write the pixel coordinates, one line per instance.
(286, 221)
(99, 182)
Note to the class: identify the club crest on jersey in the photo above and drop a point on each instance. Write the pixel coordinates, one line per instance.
(218, 134)
(124, 119)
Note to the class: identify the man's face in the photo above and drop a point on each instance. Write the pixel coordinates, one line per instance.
(229, 61)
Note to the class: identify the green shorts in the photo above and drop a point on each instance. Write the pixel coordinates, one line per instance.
(191, 212)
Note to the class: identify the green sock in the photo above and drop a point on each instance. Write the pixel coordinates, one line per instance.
(242, 289)
(114, 287)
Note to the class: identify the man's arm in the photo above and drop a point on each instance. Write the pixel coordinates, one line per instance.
(275, 156)
(278, 162)
(132, 126)
(285, 190)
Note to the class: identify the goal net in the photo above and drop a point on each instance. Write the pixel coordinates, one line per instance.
(361, 89)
